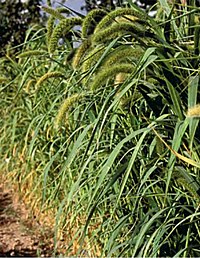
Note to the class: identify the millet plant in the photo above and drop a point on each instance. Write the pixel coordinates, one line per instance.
(101, 132)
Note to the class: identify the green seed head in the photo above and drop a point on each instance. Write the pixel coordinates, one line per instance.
(110, 73)
(61, 29)
(64, 108)
(111, 17)
(90, 20)
(48, 76)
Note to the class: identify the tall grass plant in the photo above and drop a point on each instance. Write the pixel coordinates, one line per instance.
(99, 141)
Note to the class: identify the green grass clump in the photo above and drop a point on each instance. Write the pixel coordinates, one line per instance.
(108, 147)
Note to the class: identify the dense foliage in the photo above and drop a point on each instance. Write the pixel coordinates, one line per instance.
(101, 129)
(15, 19)
(111, 4)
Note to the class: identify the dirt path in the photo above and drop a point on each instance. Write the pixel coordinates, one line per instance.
(20, 236)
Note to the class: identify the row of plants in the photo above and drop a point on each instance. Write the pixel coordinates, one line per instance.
(100, 129)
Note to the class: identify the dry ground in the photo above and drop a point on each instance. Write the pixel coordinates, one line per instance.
(19, 235)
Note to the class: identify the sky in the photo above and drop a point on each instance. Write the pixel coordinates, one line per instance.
(73, 4)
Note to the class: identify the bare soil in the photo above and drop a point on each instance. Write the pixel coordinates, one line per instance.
(21, 235)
